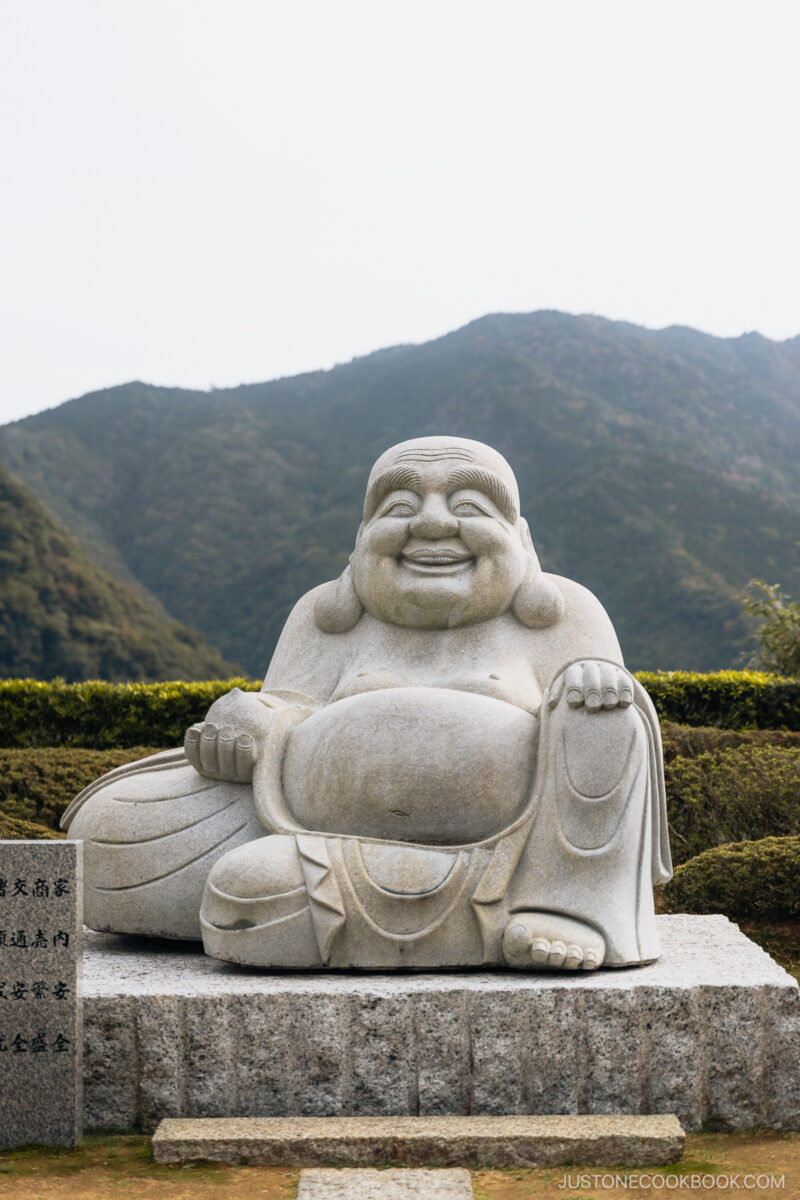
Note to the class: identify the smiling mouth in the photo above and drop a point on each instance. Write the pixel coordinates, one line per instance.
(438, 562)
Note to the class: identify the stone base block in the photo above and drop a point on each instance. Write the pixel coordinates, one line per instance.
(710, 1032)
(413, 1141)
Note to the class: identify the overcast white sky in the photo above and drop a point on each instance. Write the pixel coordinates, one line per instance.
(209, 192)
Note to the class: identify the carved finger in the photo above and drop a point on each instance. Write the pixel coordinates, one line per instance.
(191, 745)
(574, 957)
(625, 689)
(592, 694)
(226, 752)
(209, 763)
(574, 685)
(558, 952)
(540, 951)
(245, 757)
(608, 685)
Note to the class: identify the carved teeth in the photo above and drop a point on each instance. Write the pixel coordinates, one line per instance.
(436, 560)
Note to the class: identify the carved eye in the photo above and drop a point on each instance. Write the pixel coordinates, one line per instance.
(468, 508)
(400, 508)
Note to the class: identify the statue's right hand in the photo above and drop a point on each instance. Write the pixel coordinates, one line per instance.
(226, 744)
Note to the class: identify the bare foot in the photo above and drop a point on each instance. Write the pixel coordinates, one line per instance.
(543, 939)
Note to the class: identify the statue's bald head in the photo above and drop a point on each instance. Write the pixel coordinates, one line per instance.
(442, 544)
(467, 464)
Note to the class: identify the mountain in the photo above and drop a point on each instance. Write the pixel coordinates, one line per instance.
(62, 615)
(659, 468)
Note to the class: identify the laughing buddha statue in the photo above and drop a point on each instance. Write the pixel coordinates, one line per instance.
(447, 765)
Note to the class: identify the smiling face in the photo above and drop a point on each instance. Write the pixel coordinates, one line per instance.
(440, 545)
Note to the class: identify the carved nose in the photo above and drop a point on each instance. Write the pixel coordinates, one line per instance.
(434, 520)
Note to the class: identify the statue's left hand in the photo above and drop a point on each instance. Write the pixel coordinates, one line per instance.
(595, 685)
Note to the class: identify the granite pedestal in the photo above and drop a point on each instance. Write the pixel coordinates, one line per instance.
(710, 1032)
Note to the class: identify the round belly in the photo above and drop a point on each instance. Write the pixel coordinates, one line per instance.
(411, 764)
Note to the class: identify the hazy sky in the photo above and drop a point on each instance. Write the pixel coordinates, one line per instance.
(209, 192)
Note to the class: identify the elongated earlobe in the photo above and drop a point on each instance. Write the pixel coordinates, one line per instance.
(537, 601)
(337, 607)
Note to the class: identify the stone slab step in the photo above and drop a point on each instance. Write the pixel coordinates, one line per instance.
(505, 1141)
(352, 1183)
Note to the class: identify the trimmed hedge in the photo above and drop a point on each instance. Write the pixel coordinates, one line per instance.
(13, 829)
(757, 881)
(37, 785)
(734, 794)
(104, 716)
(689, 741)
(725, 699)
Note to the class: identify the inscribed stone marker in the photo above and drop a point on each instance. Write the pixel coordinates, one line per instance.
(41, 1026)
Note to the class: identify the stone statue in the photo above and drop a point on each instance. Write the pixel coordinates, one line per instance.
(447, 765)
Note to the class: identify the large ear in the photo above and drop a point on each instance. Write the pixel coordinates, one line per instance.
(527, 540)
(337, 607)
(537, 601)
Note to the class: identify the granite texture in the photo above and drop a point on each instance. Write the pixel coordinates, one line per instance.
(710, 1032)
(317, 1183)
(41, 1044)
(448, 764)
(512, 1141)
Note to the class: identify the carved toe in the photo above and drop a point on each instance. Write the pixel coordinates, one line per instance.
(558, 952)
(540, 952)
(574, 958)
(543, 940)
(517, 944)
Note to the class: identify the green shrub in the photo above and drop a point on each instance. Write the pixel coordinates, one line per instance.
(37, 785)
(104, 715)
(726, 699)
(758, 881)
(777, 627)
(732, 795)
(687, 741)
(12, 828)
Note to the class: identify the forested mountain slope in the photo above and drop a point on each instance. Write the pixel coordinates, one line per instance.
(661, 469)
(62, 615)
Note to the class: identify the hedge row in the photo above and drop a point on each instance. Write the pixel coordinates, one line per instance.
(105, 716)
(690, 741)
(109, 716)
(758, 881)
(737, 794)
(725, 699)
(13, 829)
(37, 785)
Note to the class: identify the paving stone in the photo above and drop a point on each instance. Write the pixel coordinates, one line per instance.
(349, 1183)
(434, 1141)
